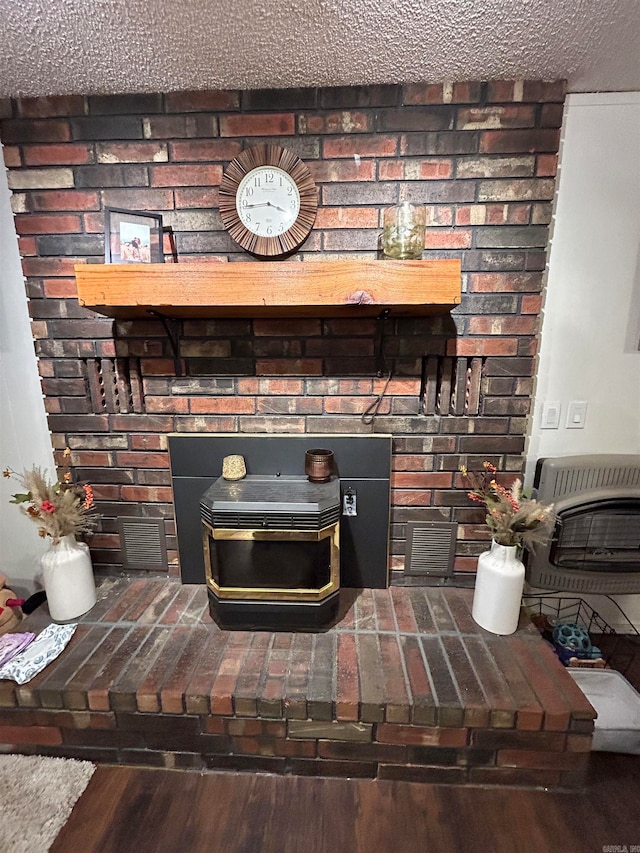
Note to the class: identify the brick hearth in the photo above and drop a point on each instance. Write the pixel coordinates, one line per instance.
(404, 686)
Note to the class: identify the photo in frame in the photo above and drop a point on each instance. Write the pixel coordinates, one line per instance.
(132, 237)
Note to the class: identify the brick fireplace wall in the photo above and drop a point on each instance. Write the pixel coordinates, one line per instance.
(482, 157)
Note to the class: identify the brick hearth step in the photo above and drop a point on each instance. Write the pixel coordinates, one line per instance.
(404, 686)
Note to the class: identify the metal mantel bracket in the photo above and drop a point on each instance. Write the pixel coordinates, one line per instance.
(378, 352)
(172, 328)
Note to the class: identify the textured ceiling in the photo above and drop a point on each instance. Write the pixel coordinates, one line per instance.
(116, 46)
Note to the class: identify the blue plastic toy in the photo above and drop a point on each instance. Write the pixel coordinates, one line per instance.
(572, 640)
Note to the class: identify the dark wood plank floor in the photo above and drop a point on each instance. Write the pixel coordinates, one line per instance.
(135, 810)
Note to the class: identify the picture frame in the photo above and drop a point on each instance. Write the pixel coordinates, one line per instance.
(132, 237)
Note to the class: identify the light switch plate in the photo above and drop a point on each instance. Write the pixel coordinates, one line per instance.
(576, 414)
(550, 415)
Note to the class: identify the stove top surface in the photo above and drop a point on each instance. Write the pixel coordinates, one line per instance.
(285, 493)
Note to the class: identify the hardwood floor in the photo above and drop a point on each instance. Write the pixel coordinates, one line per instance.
(135, 810)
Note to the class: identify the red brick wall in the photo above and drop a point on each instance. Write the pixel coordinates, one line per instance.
(481, 156)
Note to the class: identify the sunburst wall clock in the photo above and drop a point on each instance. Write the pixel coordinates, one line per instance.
(268, 201)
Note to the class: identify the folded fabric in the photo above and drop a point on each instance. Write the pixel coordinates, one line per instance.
(13, 644)
(44, 649)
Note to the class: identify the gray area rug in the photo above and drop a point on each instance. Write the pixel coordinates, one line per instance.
(37, 795)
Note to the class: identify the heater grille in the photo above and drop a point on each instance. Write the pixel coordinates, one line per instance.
(570, 475)
(431, 548)
(596, 535)
(143, 543)
(582, 582)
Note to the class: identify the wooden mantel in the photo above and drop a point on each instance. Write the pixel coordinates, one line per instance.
(320, 288)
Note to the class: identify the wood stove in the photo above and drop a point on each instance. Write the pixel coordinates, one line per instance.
(272, 551)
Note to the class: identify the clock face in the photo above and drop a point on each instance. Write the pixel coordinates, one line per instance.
(268, 201)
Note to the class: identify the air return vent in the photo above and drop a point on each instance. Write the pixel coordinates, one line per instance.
(143, 543)
(431, 548)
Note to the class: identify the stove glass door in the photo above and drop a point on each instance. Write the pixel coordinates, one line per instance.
(283, 561)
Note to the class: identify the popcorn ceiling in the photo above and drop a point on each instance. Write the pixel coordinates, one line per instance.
(119, 46)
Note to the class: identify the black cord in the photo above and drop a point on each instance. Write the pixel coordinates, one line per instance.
(629, 622)
(372, 410)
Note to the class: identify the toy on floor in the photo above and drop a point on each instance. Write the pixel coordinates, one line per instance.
(573, 642)
(10, 608)
(570, 642)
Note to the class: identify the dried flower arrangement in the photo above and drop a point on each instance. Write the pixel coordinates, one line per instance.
(512, 518)
(58, 508)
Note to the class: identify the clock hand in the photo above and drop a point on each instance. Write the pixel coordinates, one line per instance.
(265, 204)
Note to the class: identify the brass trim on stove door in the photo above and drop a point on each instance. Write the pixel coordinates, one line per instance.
(276, 593)
(260, 534)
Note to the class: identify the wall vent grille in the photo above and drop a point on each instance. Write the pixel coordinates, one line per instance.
(431, 548)
(143, 543)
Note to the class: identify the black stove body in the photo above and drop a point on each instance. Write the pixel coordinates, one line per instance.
(272, 551)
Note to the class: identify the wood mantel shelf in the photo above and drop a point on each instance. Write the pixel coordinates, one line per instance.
(353, 288)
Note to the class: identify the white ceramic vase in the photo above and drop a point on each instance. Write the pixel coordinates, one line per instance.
(498, 593)
(67, 572)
